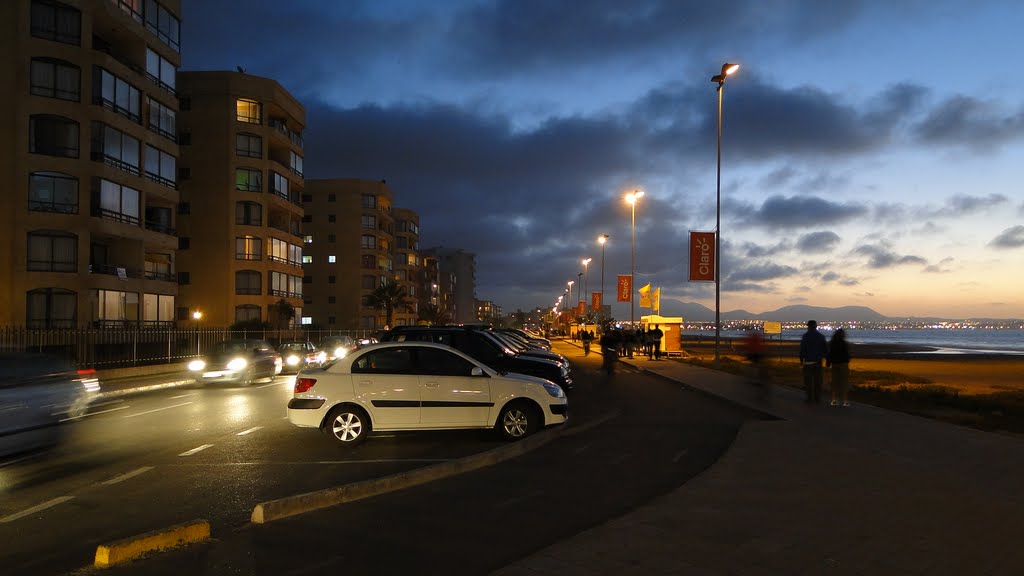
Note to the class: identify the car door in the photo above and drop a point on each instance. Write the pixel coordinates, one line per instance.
(450, 396)
(385, 381)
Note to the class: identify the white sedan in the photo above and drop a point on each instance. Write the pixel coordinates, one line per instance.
(420, 386)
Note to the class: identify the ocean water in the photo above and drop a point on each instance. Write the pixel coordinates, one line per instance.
(947, 341)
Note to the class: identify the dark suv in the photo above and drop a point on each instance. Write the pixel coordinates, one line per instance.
(485, 347)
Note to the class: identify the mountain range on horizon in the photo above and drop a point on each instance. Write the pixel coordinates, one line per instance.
(695, 312)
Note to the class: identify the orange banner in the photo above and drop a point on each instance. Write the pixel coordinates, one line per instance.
(581, 308)
(702, 256)
(625, 288)
(595, 300)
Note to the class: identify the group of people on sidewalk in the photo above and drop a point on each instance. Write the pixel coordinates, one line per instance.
(814, 350)
(626, 343)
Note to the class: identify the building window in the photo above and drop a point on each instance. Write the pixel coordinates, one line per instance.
(248, 180)
(55, 21)
(306, 198)
(53, 192)
(307, 239)
(278, 184)
(332, 197)
(164, 24)
(51, 308)
(282, 284)
(369, 201)
(133, 8)
(332, 299)
(307, 259)
(51, 251)
(332, 218)
(157, 308)
(248, 283)
(185, 137)
(184, 208)
(184, 278)
(248, 248)
(114, 306)
(248, 214)
(53, 136)
(368, 261)
(158, 219)
(161, 167)
(369, 283)
(115, 148)
(332, 279)
(116, 94)
(184, 243)
(249, 111)
(296, 163)
(160, 70)
(249, 145)
(368, 242)
(117, 202)
(332, 259)
(331, 238)
(331, 321)
(162, 119)
(247, 313)
(369, 222)
(55, 79)
(307, 218)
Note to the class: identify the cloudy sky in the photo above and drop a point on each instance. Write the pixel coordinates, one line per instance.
(872, 154)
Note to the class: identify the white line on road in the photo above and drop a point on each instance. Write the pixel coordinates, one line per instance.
(194, 450)
(271, 384)
(249, 431)
(128, 475)
(34, 509)
(157, 410)
(383, 461)
(94, 413)
(184, 395)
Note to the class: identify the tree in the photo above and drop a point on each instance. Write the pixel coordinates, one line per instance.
(388, 297)
(433, 315)
(285, 313)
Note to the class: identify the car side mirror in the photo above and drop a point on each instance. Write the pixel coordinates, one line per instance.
(477, 371)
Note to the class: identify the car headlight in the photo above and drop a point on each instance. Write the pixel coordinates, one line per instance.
(554, 390)
(321, 357)
(292, 360)
(237, 364)
(196, 365)
(340, 352)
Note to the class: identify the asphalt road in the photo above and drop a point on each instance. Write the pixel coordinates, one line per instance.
(653, 437)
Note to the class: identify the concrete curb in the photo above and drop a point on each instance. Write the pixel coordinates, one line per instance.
(137, 389)
(312, 501)
(135, 546)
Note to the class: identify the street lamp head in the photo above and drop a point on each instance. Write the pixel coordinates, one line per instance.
(586, 261)
(602, 239)
(632, 197)
(727, 70)
(197, 315)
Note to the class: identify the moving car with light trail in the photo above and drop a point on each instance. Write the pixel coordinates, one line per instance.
(241, 361)
(300, 354)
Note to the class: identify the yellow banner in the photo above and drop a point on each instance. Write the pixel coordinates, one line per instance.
(645, 296)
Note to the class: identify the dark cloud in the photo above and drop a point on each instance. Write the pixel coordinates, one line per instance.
(1012, 237)
(800, 212)
(881, 256)
(751, 250)
(963, 204)
(760, 272)
(817, 242)
(967, 121)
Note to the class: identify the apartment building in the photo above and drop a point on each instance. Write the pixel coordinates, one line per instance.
(88, 155)
(355, 241)
(456, 279)
(240, 217)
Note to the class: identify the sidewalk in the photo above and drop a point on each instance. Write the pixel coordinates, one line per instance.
(822, 490)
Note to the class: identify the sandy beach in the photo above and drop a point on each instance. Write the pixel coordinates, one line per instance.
(968, 373)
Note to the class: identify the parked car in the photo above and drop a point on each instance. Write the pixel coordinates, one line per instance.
(420, 386)
(39, 394)
(300, 354)
(522, 346)
(484, 346)
(337, 346)
(532, 338)
(237, 361)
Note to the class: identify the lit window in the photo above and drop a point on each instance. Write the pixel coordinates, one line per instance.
(249, 111)
(332, 259)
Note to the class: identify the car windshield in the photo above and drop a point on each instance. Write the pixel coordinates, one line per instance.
(233, 347)
(294, 347)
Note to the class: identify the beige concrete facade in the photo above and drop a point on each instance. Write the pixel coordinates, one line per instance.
(356, 240)
(88, 152)
(241, 249)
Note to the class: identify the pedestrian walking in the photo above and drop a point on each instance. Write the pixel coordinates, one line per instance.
(587, 337)
(813, 350)
(656, 335)
(838, 360)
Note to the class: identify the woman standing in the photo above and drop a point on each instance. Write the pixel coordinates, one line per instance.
(839, 360)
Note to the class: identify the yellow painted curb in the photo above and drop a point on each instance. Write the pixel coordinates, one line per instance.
(132, 548)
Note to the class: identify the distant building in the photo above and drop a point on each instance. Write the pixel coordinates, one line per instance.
(457, 277)
(356, 240)
(240, 243)
(88, 157)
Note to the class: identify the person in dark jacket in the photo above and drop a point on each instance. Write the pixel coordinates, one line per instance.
(813, 349)
(839, 360)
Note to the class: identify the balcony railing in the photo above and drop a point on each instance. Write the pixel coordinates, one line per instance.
(160, 227)
(115, 216)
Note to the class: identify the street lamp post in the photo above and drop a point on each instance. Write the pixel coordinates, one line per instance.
(579, 287)
(632, 197)
(602, 240)
(197, 316)
(586, 292)
(727, 70)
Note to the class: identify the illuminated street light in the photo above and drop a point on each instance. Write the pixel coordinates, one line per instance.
(586, 292)
(197, 316)
(727, 70)
(602, 240)
(632, 197)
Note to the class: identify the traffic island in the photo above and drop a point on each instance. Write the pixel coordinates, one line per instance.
(136, 546)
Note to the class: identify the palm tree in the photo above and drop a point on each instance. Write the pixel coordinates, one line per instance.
(389, 296)
(433, 315)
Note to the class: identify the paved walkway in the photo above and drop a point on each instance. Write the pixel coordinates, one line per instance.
(821, 490)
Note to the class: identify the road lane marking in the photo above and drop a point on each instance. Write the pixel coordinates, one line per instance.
(34, 509)
(679, 456)
(94, 413)
(249, 431)
(194, 450)
(183, 395)
(271, 384)
(157, 410)
(384, 461)
(518, 499)
(128, 475)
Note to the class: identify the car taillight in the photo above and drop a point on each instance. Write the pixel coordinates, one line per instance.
(304, 384)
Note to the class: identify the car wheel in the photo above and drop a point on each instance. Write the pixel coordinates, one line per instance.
(246, 377)
(347, 425)
(518, 420)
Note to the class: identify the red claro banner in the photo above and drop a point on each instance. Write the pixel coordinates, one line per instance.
(595, 300)
(625, 288)
(702, 256)
(581, 308)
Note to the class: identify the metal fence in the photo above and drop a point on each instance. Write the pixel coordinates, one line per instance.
(141, 345)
